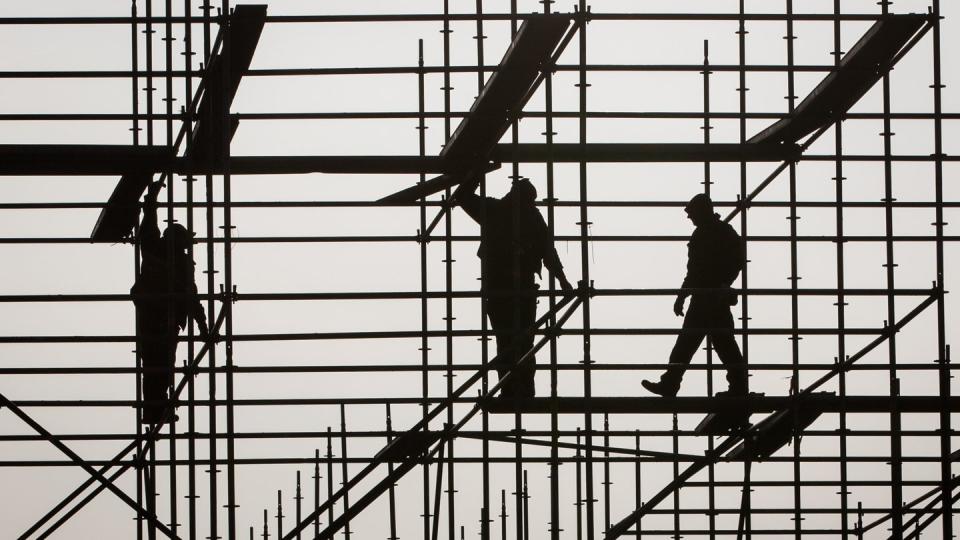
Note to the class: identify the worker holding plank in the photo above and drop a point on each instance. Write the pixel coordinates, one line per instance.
(515, 245)
(714, 260)
(165, 296)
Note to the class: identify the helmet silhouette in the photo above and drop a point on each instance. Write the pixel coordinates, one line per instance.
(179, 235)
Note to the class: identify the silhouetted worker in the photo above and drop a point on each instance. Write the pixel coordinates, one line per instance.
(165, 296)
(515, 244)
(714, 259)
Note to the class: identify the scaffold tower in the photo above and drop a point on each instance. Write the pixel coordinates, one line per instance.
(349, 386)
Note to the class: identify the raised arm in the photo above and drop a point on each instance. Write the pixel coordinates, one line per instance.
(474, 205)
(149, 235)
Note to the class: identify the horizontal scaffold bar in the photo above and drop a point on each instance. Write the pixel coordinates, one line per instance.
(580, 405)
(756, 404)
(640, 153)
(439, 17)
(102, 160)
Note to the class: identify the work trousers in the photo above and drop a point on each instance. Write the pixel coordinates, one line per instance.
(512, 313)
(157, 344)
(707, 315)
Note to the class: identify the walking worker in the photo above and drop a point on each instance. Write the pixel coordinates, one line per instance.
(715, 258)
(515, 245)
(165, 297)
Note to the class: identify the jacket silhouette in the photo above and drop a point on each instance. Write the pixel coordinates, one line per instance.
(714, 260)
(165, 297)
(515, 245)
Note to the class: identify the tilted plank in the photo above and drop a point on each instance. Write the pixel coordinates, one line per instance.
(867, 61)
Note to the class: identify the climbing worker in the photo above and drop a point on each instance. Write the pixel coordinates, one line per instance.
(515, 244)
(715, 258)
(165, 296)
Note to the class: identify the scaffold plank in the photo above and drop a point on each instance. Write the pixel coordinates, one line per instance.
(507, 89)
(867, 61)
(429, 187)
(501, 99)
(219, 88)
(119, 217)
(776, 430)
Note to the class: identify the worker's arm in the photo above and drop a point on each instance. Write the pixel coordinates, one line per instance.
(149, 230)
(474, 205)
(695, 270)
(551, 259)
(199, 314)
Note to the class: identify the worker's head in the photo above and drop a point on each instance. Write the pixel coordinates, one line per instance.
(179, 236)
(522, 191)
(700, 209)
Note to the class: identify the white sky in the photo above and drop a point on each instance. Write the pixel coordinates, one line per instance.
(72, 268)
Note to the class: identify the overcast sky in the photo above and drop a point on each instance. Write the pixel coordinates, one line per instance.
(65, 267)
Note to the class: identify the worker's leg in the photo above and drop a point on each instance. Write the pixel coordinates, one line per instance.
(525, 315)
(500, 313)
(727, 349)
(689, 340)
(157, 351)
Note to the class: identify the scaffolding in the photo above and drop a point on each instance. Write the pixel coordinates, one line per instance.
(851, 437)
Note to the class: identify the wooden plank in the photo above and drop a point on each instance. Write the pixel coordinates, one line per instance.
(118, 218)
(725, 420)
(866, 62)
(503, 95)
(219, 89)
(778, 429)
(508, 88)
(423, 189)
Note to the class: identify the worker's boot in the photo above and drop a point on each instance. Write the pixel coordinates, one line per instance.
(737, 383)
(661, 388)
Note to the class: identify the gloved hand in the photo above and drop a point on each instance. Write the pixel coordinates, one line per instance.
(153, 190)
(678, 305)
(565, 285)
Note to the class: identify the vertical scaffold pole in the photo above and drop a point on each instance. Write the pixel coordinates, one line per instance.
(584, 223)
(211, 272)
(344, 469)
(187, 113)
(707, 185)
(138, 360)
(550, 200)
(168, 128)
(943, 349)
(149, 469)
(424, 320)
(794, 278)
(228, 285)
(896, 457)
(391, 493)
(744, 282)
(316, 491)
(841, 284)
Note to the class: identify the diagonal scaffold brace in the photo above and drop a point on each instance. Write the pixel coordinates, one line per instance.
(746, 436)
(99, 474)
(95, 474)
(417, 445)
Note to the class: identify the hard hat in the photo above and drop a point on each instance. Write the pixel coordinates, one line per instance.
(700, 204)
(179, 235)
(523, 189)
